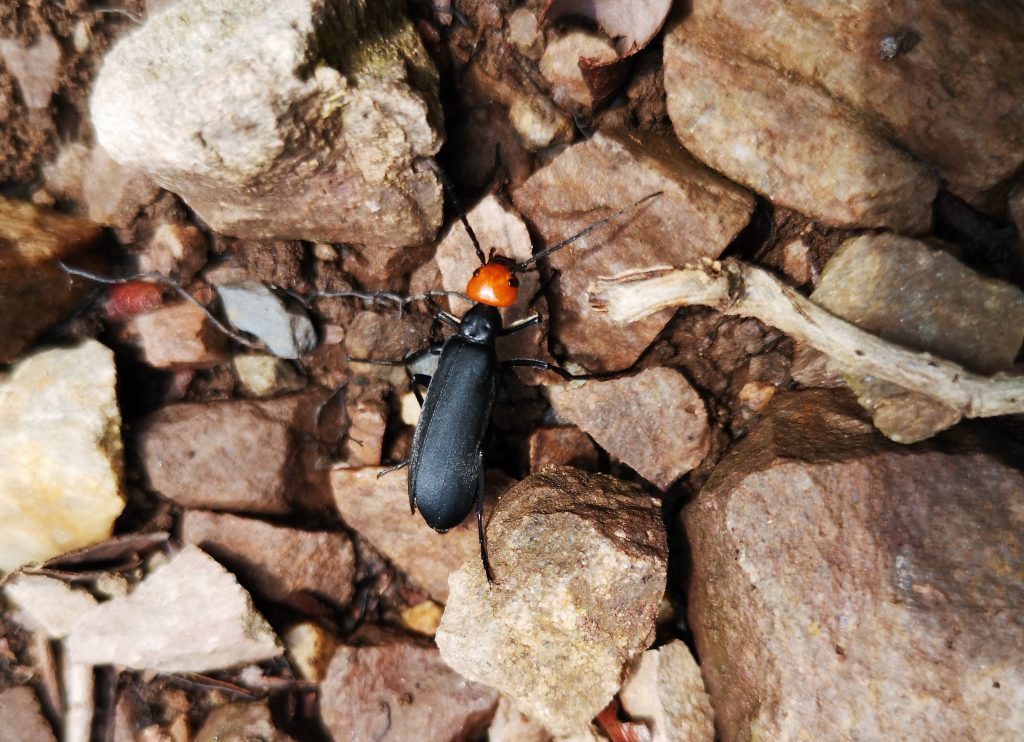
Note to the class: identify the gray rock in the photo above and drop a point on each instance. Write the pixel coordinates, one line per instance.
(286, 329)
(189, 616)
(22, 716)
(61, 458)
(654, 422)
(579, 562)
(403, 691)
(276, 562)
(845, 586)
(302, 120)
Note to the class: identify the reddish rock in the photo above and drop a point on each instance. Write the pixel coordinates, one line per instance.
(23, 719)
(696, 216)
(562, 444)
(654, 422)
(846, 586)
(178, 336)
(276, 562)
(403, 691)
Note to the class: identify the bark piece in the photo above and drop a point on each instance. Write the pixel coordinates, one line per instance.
(696, 216)
(579, 565)
(34, 291)
(404, 691)
(189, 616)
(305, 120)
(276, 562)
(177, 337)
(22, 716)
(654, 422)
(830, 563)
(61, 453)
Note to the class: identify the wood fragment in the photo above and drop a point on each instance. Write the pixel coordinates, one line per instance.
(735, 288)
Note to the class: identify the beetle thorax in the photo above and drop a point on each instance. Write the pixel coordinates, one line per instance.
(481, 324)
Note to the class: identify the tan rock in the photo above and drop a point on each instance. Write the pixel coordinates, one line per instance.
(509, 725)
(264, 375)
(560, 65)
(23, 717)
(241, 722)
(367, 424)
(696, 216)
(115, 193)
(847, 586)
(36, 68)
(562, 444)
(177, 337)
(177, 250)
(61, 458)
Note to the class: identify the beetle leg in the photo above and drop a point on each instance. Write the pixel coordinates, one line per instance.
(544, 365)
(395, 467)
(520, 325)
(449, 319)
(417, 381)
(480, 521)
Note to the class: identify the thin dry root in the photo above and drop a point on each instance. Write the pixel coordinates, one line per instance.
(743, 290)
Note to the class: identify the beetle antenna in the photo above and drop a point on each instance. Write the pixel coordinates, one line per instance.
(450, 190)
(524, 264)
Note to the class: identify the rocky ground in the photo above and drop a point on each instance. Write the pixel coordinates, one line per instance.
(788, 508)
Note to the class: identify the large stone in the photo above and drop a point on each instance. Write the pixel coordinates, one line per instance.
(963, 120)
(48, 604)
(188, 616)
(402, 691)
(844, 586)
(276, 562)
(697, 214)
(23, 719)
(654, 422)
(34, 291)
(60, 453)
(303, 120)
(579, 564)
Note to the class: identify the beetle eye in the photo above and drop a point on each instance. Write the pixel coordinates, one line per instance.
(476, 273)
(513, 282)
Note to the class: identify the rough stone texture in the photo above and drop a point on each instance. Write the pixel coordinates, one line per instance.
(404, 691)
(178, 336)
(965, 120)
(560, 66)
(924, 299)
(310, 649)
(509, 725)
(241, 722)
(285, 328)
(238, 455)
(538, 123)
(115, 193)
(844, 586)
(61, 454)
(579, 562)
(177, 250)
(48, 603)
(654, 422)
(666, 692)
(32, 240)
(276, 562)
(189, 616)
(264, 375)
(301, 120)
(379, 510)
(22, 716)
(562, 444)
(696, 216)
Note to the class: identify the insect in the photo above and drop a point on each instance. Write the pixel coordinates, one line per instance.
(446, 462)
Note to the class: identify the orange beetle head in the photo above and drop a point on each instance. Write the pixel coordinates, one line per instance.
(494, 283)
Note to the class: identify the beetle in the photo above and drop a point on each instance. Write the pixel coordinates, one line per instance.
(446, 462)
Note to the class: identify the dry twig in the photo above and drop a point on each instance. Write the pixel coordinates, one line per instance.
(743, 290)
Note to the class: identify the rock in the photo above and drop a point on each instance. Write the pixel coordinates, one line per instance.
(405, 691)
(379, 510)
(178, 336)
(189, 616)
(264, 375)
(923, 299)
(238, 455)
(48, 603)
(696, 216)
(872, 586)
(524, 33)
(64, 175)
(509, 725)
(36, 68)
(560, 66)
(32, 240)
(177, 250)
(268, 132)
(798, 262)
(285, 328)
(562, 444)
(60, 444)
(273, 561)
(310, 649)
(386, 337)
(654, 422)
(666, 691)
(423, 618)
(367, 424)
(960, 120)
(539, 123)
(114, 193)
(241, 722)
(23, 717)
(579, 562)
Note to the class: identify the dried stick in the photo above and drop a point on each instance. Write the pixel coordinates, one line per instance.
(734, 288)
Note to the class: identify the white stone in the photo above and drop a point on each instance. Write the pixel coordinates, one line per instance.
(189, 616)
(48, 603)
(60, 454)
